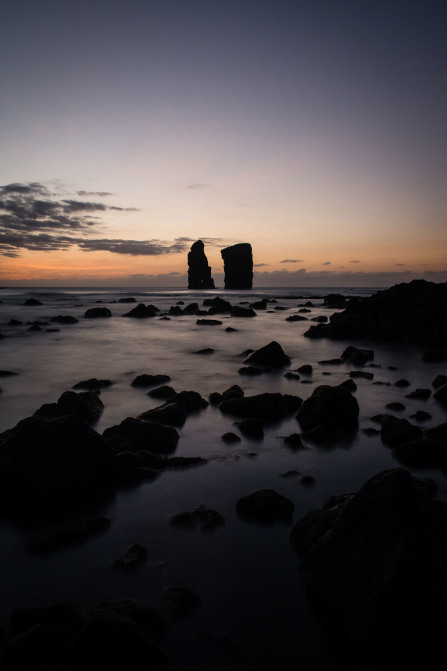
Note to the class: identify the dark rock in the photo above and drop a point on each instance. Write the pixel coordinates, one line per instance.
(395, 405)
(175, 311)
(199, 272)
(439, 381)
(191, 309)
(322, 319)
(205, 350)
(234, 391)
(217, 305)
(15, 322)
(97, 313)
(146, 380)
(141, 435)
(252, 370)
(164, 391)
(142, 311)
(269, 406)
(421, 416)
(361, 373)
(86, 405)
(357, 356)
(265, 505)
(296, 318)
(231, 437)
(238, 266)
(170, 413)
(441, 394)
(292, 376)
(294, 441)
(330, 362)
(349, 384)
(32, 301)
(402, 383)
(259, 305)
(230, 329)
(306, 369)
(396, 431)
(420, 394)
(7, 373)
(253, 427)
(271, 355)
(205, 519)
(330, 408)
(407, 312)
(335, 301)
(438, 432)
(307, 480)
(239, 311)
(422, 453)
(208, 322)
(358, 561)
(215, 398)
(64, 319)
(134, 556)
(127, 299)
(92, 384)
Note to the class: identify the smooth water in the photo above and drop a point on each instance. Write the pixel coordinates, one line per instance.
(245, 574)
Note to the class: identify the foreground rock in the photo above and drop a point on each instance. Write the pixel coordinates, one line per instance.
(265, 506)
(271, 355)
(329, 408)
(412, 313)
(374, 567)
(199, 272)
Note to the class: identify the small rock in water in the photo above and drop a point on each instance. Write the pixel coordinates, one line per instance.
(205, 519)
(265, 505)
(135, 555)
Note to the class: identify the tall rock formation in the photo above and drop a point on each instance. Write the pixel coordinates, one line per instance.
(238, 266)
(199, 272)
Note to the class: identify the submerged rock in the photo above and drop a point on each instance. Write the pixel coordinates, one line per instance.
(269, 406)
(265, 505)
(205, 519)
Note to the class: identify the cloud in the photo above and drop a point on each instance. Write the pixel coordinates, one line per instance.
(101, 194)
(260, 265)
(292, 261)
(326, 263)
(346, 278)
(197, 185)
(33, 218)
(354, 261)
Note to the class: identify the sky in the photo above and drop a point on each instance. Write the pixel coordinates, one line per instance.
(315, 130)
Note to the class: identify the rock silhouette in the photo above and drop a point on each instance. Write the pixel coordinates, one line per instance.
(199, 272)
(238, 266)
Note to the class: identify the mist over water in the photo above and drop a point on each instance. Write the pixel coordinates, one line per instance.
(245, 574)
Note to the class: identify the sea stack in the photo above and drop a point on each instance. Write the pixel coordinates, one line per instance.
(238, 266)
(199, 272)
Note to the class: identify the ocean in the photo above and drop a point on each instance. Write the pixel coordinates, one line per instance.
(253, 604)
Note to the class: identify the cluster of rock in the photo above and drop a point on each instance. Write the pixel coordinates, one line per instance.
(374, 567)
(238, 267)
(411, 312)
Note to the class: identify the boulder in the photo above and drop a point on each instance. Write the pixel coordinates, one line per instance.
(93, 384)
(374, 567)
(142, 311)
(86, 405)
(171, 413)
(238, 266)
(408, 312)
(329, 408)
(32, 301)
(439, 381)
(357, 356)
(265, 506)
(148, 380)
(240, 311)
(64, 319)
(271, 355)
(270, 406)
(217, 305)
(396, 431)
(141, 435)
(203, 518)
(441, 394)
(199, 272)
(97, 313)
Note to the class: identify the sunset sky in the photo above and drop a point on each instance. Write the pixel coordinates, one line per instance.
(315, 130)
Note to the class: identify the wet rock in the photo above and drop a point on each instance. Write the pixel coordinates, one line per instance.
(252, 371)
(407, 312)
(259, 305)
(441, 394)
(7, 373)
(97, 313)
(199, 272)
(230, 329)
(93, 384)
(64, 319)
(231, 437)
(238, 266)
(307, 480)
(422, 453)
(142, 311)
(239, 311)
(358, 560)
(421, 416)
(438, 432)
(330, 362)
(203, 518)
(253, 427)
(15, 322)
(292, 376)
(357, 356)
(134, 556)
(235, 391)
(293, 440)
(265, 505)
(329, 408)
(269, 406)
(271, 355)
(395, 405)
(397, 431)
(146, 380)
(171, 413)
(32, 301)
(205, 350)
(208, 322)
(335, 301)
(86, 405)
(420, 394)
(296, 318)
(217, 305)
(164, 391)
(402, 383)
(305, 369)
(175, 311)
(361, 374)
(142, 435)
(439, 381)
(127, 299)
